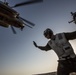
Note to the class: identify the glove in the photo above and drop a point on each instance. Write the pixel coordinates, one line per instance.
(35, 44)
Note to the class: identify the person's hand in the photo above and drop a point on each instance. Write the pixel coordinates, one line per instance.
(35, 44)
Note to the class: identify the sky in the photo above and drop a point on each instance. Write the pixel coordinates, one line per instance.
(18, 56)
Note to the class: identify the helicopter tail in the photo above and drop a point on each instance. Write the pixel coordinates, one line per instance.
(71, 21)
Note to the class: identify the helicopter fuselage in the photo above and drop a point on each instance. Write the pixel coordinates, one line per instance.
(8, 16)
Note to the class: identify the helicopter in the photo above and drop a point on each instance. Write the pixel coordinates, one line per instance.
(73, 14)
(10, 17)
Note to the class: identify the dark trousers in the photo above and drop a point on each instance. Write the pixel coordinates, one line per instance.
(65, 67)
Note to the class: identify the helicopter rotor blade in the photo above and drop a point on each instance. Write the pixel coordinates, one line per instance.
(27, 25)
(28, 2)
(27, 21)
(13, 30)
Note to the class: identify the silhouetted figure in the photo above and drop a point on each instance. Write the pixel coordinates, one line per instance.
(60, 44)
(74, 17)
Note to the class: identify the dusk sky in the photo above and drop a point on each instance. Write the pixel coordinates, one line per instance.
(18, 56)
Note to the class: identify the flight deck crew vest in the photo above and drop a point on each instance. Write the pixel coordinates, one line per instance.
(61, 46)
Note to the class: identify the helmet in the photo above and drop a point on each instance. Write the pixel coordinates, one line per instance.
(48, 31)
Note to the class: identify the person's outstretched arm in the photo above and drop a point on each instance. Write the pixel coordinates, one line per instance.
(70, 35)
(45, 48)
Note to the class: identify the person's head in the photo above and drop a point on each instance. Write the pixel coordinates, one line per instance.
(48, 33)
